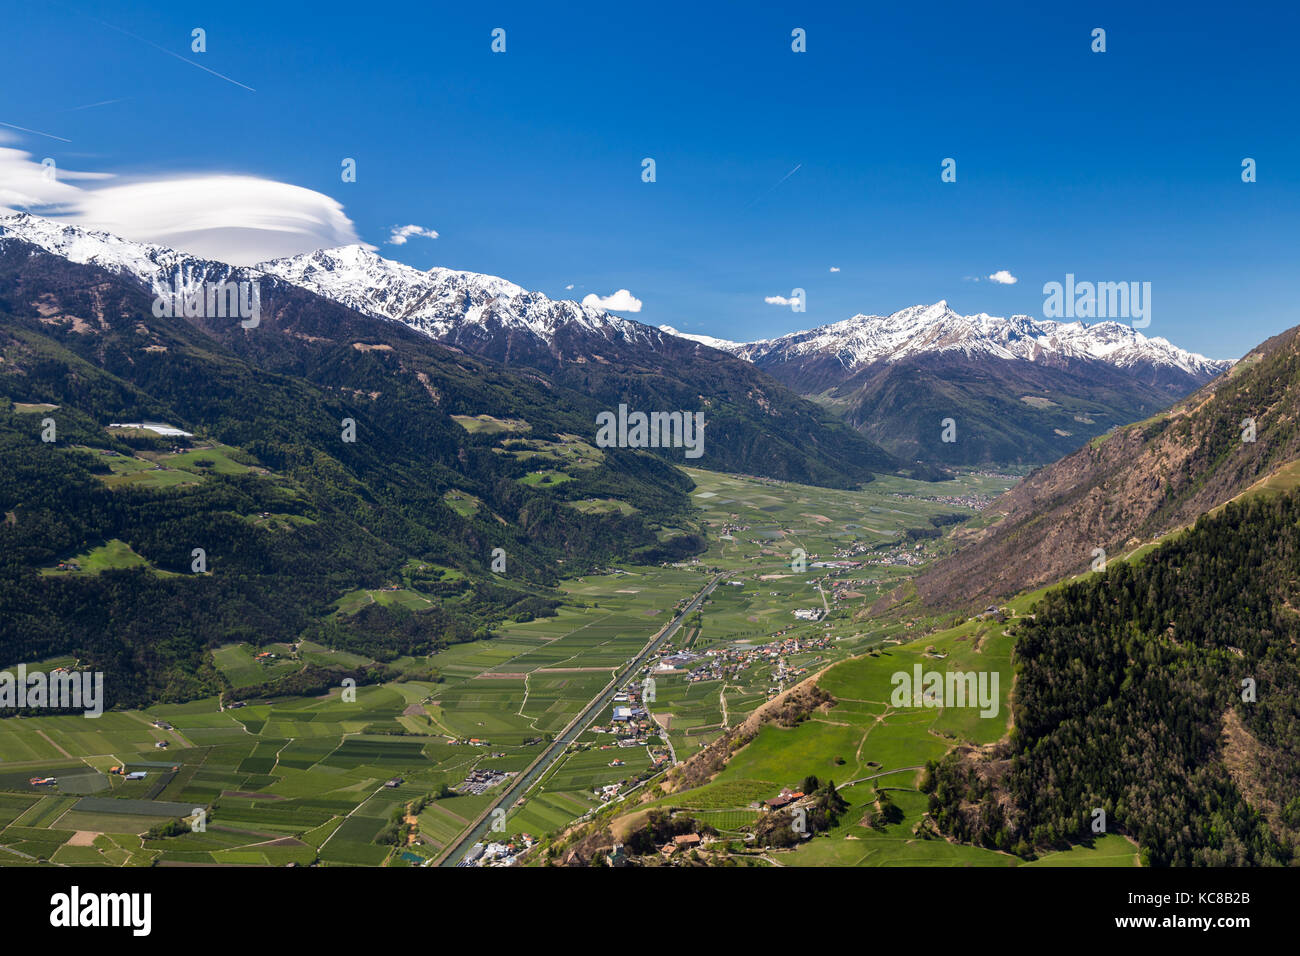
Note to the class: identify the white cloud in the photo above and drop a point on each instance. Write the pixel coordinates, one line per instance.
(568, 287)
(26, 182)
(778, 300)
(237, 219)
(1003, 277)
(835, 268)
(401, 234)
(620, 301)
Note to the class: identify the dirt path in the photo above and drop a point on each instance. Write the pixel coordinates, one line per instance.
(883, 773)
(46, 737)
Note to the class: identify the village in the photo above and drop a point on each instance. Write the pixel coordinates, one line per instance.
(498, 853)
(976, 502)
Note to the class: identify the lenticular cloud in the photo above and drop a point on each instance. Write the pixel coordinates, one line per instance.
(238, 219)
(26, 184)
(242, 220)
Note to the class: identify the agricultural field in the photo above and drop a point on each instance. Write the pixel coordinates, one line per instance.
(572, 451)
(385, 778)
(487, 425)
(755, 520)
(463, 503)
(152, 469)
(410, 598)
(293, 780)
(243, 668)
(107, 556)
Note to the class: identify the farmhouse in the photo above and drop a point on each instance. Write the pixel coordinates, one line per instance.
(783, 799)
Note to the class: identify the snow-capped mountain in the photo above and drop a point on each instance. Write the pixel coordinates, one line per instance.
(1022, 390)
(155, 267)
(444, 303)
(467, 309)
(722, 345)
(865, 339)
(756, 425)
(452, 305)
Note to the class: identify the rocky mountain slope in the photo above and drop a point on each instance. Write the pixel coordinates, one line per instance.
(1137, 484)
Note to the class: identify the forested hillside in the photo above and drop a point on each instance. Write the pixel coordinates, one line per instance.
(289, 513)
(1166, 693)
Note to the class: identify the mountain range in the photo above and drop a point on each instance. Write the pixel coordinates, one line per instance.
(1019, 390)
(864, 340)
(754, 424)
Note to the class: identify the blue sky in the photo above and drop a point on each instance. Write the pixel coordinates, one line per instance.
(1115, 166)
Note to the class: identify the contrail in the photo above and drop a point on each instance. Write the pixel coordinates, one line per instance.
(177, 55)
(90, 106)
(37, 132)
(796, 169)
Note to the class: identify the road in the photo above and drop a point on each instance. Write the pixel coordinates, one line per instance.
(883, 773)
(454, 851)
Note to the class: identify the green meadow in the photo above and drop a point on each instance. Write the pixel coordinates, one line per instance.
(867, 740)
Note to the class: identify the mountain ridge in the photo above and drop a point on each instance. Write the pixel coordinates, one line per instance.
(864, 339)
(1017, 391)
(755, 424)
